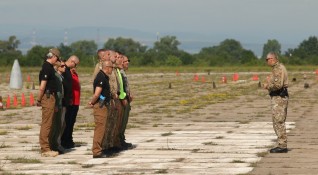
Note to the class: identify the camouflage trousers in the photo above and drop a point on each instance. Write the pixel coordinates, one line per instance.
(112, 118)
(279, 113)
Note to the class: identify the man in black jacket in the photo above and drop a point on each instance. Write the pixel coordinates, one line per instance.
(70, 113)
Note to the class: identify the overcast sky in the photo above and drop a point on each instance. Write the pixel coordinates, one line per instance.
(249, 21)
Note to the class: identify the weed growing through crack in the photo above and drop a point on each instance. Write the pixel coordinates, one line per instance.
(3, 132)
(23, 160)
(167, 134)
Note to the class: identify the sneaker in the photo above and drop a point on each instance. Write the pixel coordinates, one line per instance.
(127, 145)
(279, 150)
(50, 154)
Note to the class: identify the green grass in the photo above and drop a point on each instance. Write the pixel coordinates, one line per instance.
(3, 145)
(3, 132)
(219, 137)
(238, 161)
(24, 160)
(167, 134)
(262, 154)
(209, 143)
(10, 114)
(24, 128)
(150, 140)
(72, 162)
(88, 166)
(161, 171)
(179, 160)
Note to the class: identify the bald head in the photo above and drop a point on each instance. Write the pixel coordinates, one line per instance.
(72, 61)
(107, 67)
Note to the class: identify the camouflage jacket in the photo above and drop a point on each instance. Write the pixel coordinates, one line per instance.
(278, 78)
(113, 82)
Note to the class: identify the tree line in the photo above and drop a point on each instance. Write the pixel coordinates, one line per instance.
(165, 52)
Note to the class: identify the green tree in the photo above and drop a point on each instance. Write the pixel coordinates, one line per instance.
(66, 51)
(248, 57)
(85, 51)
(168, 45)
(8, 51)
(306, 49)
(157, 56)
(228, 52)
(173, 61)
(85, 47)
(186, 58)
(271, 46)
(127, 46)
(13, 43)
(35, 56)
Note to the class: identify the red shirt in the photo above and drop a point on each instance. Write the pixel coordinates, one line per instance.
(76, 89)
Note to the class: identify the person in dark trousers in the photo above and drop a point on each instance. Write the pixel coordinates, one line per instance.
(70, 110)
(57, 124)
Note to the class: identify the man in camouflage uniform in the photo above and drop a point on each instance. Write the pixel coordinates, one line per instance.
(277, 85)
(127, 107)
(108, 141)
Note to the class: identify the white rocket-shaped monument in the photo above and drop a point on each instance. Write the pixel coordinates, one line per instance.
(16, 76)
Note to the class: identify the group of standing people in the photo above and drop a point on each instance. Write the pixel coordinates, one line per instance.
(110, 103)
(59, 97)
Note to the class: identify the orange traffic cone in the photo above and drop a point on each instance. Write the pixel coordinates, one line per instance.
(195, 77)
(203, 79)
(31, 99)
(15, 100)
(22, 100)
(28, 78)
(8, 102)
(255, 77)
(235, 77)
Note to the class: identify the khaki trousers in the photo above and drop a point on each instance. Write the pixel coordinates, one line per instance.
(48, 105)
(100, 118)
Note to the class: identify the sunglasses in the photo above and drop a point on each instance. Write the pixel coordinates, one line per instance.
(127, 61)
(62, 66)
(268, 59)
(74, 63)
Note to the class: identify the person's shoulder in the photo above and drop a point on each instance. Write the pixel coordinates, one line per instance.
(46, 64)
(281, 65)
(100, 75)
